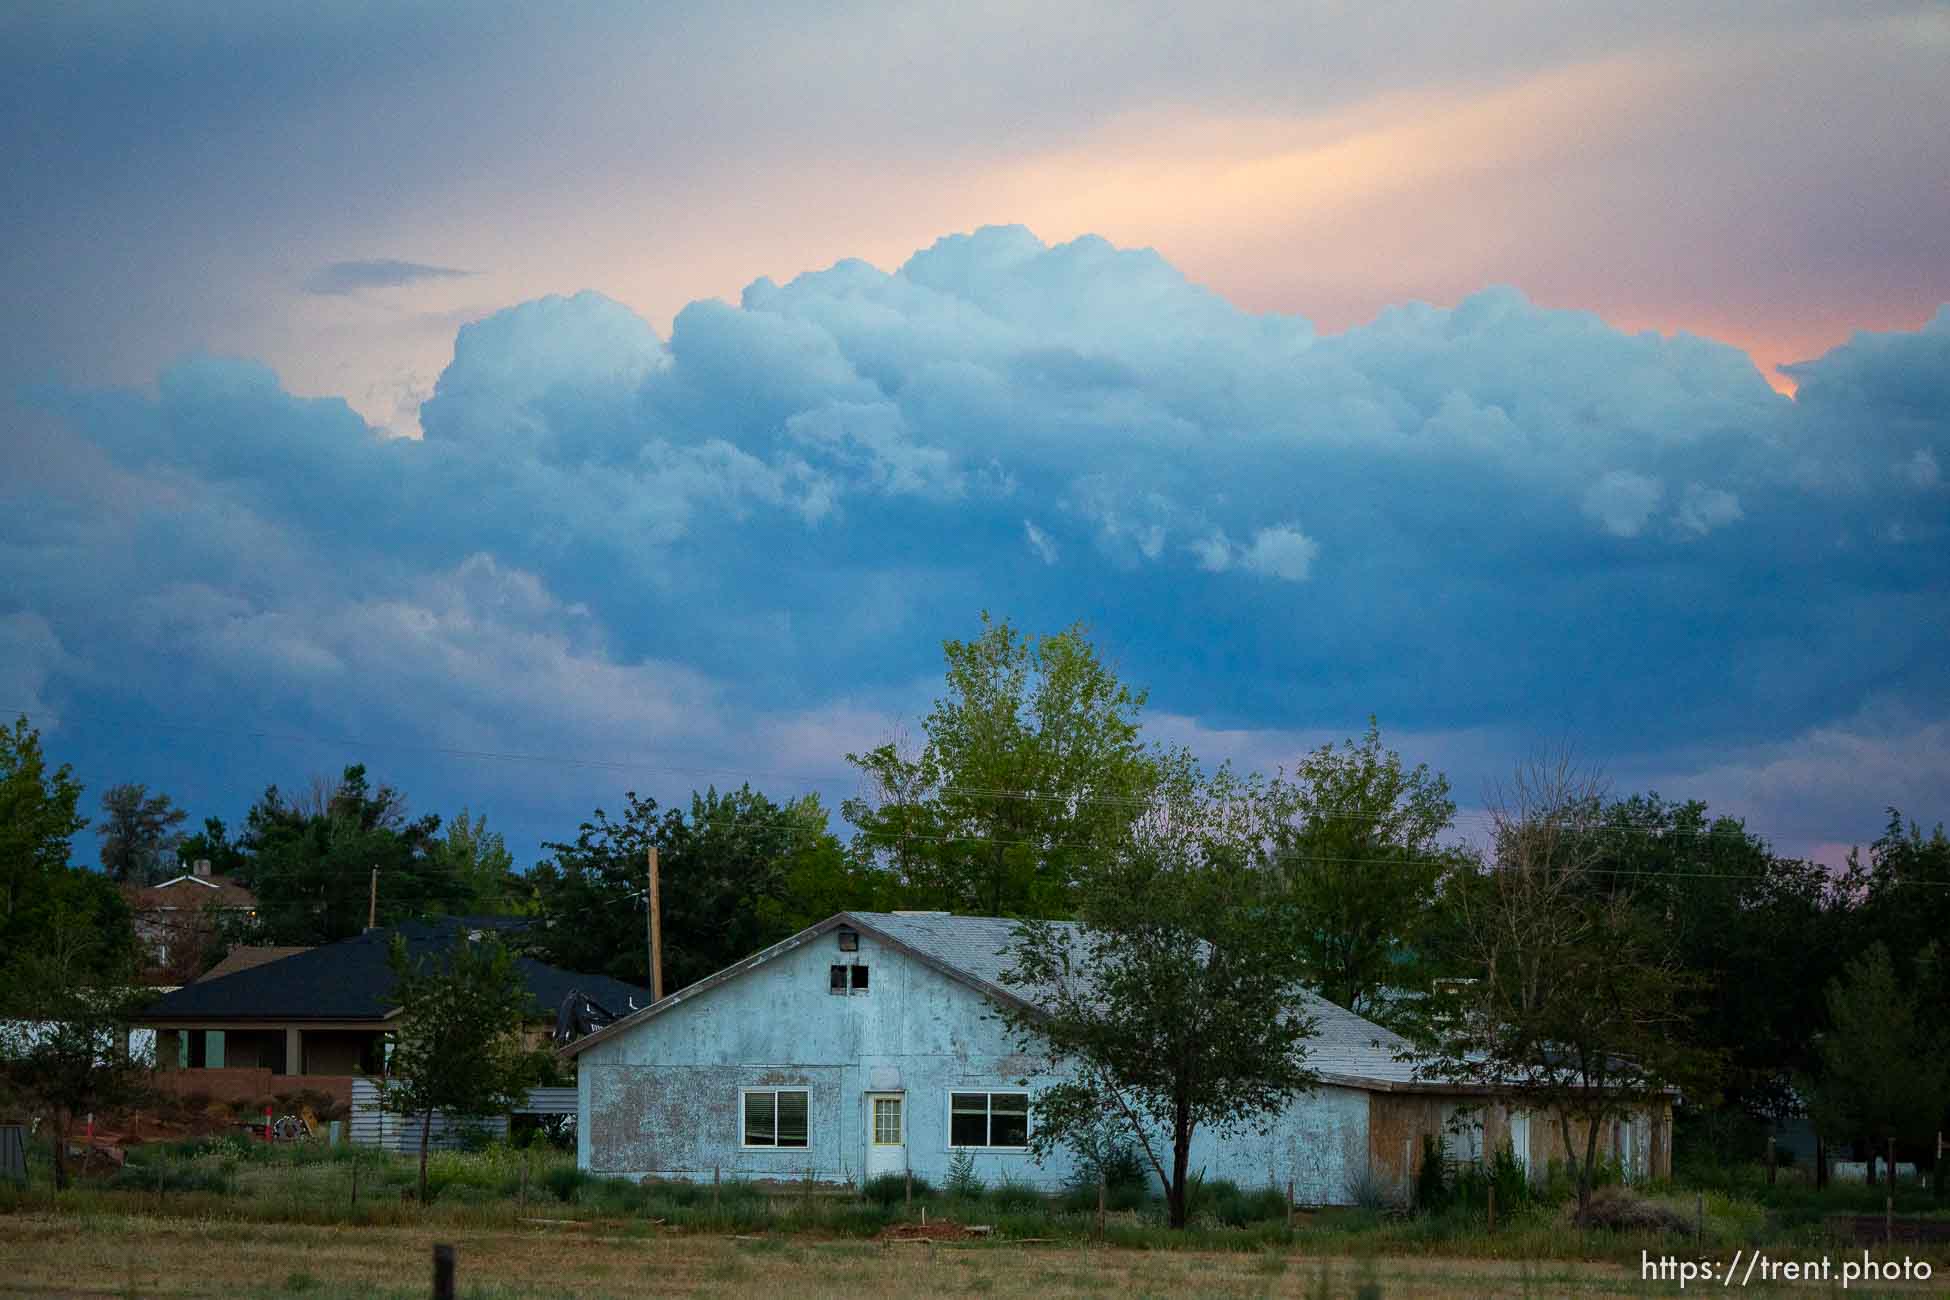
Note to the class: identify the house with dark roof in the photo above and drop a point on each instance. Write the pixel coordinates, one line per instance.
(868, 1045)
(315, 1018)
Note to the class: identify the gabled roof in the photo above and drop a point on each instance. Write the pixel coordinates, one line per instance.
(248, 958)
(192, 893)
(973, 950)
(351, 980)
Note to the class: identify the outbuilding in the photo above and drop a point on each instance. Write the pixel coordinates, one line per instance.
(869, 1044)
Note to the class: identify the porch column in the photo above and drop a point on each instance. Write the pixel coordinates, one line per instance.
(294, 1050)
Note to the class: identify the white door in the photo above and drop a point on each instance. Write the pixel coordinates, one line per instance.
(886, 1133)
(1520, 1138)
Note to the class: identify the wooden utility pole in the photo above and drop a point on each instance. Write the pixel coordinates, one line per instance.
(655, 923)
(372, 901)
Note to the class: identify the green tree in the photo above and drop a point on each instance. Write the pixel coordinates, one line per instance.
(459, 1046)
(310, 861)
(1356, 849)
(478, 862)
(1884, 1065)
(38, 820)
(138, 834)
(1729, 907)
(64, 1006)
(1575, 1000)
(726, 868)
(212, 844)
(1032, 768)
(1172, 1006)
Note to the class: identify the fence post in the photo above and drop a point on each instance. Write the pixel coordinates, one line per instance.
(1699, 1217)
(1770, 1159)
(355, 1177)
(521, 1197)
(1492, 1207)
(717, 1174)
(806, 1201)
(1289, 1205)
(1102, 1228)
(910, 1187)
(1889, 1201)
(443, 1272)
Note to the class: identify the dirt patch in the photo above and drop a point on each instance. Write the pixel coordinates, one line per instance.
(939, 1230)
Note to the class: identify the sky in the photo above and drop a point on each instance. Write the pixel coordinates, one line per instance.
(538, 403)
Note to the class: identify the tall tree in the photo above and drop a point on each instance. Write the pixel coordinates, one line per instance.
(1576, 1001)
(1032, 767)
(459, 1047)
(726, 866)
(138, 834)
(1884, 1061)
(311, 858)
(1730, 907)
(478, 861)
(1356, 848)
(1170, 1008)
(64, 1004)
(38, 820)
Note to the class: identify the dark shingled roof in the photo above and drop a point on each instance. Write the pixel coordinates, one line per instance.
(350, 980)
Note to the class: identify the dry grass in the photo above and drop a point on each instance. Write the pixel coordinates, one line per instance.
(115, 1255)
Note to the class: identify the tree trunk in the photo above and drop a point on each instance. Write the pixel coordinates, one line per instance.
(58, 1122)
(1585, 1174)
(1181, 1159)
(426, 1131)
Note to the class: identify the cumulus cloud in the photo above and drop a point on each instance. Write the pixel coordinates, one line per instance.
(339, 278)
(1703, 509)
(1623, 501)
(1283, 552)
(607, 535)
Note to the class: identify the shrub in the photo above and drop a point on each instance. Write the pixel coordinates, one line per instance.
(1014, 1193)
(962, 1179)
(891, 1189)
(166, 1177)
(1432, 1189)
(565, 1181)
(1621, 1211)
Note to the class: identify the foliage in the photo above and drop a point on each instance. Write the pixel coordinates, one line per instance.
(1031, 770)
(725, 868)
(1729, 908)
(1356, 847)
(138, 834)
(1575, 1001)
(311, 858)
(961, 1179)
(1431, 1180)
(459, 1043)
(478, 863)
(892, 1189)
(1884, 1069)
(1172, 1003)
(38, 887)
(64, 1004)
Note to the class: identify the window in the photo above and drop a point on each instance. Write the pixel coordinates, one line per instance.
(988, 1119)
(859, 979)
(887, 1122)
(775, 1117)
(836, 980)
(845, 979)
(849, 940)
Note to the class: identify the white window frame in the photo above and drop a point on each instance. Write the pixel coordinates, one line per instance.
(1029, 1118)
(775, 1144)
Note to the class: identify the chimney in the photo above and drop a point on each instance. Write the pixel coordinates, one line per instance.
(201, 868)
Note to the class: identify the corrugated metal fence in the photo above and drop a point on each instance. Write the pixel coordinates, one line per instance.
(371, 1126)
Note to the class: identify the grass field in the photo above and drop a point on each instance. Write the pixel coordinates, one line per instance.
(121, 1255)
(233, 1218)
